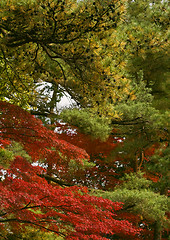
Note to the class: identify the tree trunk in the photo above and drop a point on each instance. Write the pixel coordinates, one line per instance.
(157, 231)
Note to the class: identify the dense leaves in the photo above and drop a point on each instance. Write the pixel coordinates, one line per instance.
(58, 42)
(28, 198)
(112, 58)
(151, 209)
(20, 126)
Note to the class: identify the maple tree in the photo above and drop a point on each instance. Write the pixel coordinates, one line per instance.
(144, 206)
(60, 208)
(26, 192)
(113, 61)
(97, 172)
(35, 187)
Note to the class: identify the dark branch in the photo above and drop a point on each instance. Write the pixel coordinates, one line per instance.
(135, 121)
(53, 179)
(30, 222)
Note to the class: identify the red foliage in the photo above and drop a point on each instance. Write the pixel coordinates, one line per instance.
(151, 150)
(94, 147)
(38, 141)
(89, 216)
(154, 177)
(4, 142)
(28, 199)
(106, 172)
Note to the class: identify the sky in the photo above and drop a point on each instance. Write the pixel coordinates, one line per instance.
(66, 101)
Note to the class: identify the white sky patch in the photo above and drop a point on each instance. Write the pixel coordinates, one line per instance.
(65, 102)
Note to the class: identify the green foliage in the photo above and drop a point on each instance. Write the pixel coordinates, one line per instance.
(87, 123)
(140, 54)
(118, 75)
(5, 157)
(159, 163)
(147, 33)
(141, 109)
(33, 233)
(140, 106)
(139, 198)
(8, 154)
(74, 166)
(135, 181)
(15, 86)
(150, 205)
(18, 150)
(55, 41)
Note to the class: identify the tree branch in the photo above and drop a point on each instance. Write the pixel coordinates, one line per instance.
(56, 180)
(134, 121)
(30, 222)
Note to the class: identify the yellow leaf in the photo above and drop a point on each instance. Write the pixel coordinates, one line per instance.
(12, 7)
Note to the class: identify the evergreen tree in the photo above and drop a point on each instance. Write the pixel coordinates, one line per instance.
(112, 58)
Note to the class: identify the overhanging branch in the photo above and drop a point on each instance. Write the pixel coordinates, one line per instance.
(135, 121)
(56, 180)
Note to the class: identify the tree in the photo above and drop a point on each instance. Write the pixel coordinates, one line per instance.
(140, 53)
(150, 208)
(57, 41)
(28, 196)
(100, 172)
(112, 59)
